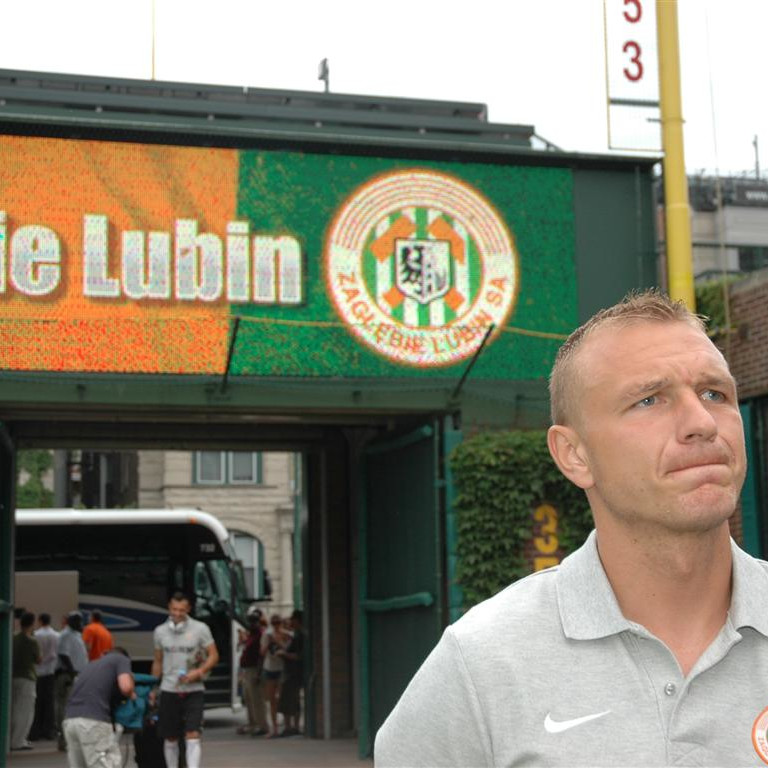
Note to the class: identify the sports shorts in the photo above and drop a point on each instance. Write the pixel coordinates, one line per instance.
(180, 713)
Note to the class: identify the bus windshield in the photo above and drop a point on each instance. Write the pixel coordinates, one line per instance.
(127, 563)
(213, 581)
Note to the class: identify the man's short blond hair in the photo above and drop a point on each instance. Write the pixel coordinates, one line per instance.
(645, 306)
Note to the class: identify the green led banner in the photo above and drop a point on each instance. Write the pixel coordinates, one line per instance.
(136, 258)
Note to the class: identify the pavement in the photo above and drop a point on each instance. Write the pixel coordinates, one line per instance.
(223, 748)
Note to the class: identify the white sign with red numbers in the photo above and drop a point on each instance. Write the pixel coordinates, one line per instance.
(632, 75)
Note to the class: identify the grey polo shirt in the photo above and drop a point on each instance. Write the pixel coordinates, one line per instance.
(550, 673)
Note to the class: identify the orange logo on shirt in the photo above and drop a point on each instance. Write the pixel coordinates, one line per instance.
(760, 735)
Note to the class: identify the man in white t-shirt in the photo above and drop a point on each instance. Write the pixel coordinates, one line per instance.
(184, 654)
(44, 725)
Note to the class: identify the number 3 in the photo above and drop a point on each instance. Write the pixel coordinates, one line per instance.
(546, 515)
(638, 73)
(639, 11)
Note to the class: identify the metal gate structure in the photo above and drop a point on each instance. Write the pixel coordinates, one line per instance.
(401, 576)
(7, 504)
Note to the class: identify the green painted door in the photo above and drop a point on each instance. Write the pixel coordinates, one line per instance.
(7, 504)
(401, 586)
(751, 518)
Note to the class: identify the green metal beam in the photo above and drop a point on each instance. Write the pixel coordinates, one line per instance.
(399, 603)
(7, 506)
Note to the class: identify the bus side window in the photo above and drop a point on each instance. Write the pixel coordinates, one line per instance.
(203, 590)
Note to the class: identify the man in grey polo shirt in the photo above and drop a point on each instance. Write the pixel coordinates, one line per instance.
(649, 645)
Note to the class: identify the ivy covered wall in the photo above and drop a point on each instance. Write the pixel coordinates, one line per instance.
(502, 479)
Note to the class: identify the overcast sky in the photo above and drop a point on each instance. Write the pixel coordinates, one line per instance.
(539, 62)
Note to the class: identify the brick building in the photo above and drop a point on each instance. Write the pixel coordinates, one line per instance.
(746, 348)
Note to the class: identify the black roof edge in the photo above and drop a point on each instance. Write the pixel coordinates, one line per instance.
(120, 109)
(53, 82)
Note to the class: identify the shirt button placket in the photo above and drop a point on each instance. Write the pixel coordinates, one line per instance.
(670, 689)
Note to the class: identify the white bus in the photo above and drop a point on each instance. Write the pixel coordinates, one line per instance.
(128, 563)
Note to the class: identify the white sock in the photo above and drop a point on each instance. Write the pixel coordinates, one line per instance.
(193, 753)
(171, 752)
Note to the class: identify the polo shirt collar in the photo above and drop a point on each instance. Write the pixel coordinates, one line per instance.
(589, 609)
(750, 585)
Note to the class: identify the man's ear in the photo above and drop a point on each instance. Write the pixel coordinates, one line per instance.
(569, 454)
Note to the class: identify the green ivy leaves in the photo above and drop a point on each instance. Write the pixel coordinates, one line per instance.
(500, 478)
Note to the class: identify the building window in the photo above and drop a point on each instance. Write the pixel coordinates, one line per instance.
(250, 552)
(753, 258)
(228, 468)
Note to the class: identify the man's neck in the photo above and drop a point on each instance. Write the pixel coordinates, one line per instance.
(677, 586)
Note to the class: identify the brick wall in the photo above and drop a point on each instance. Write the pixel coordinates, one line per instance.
(747, 348)
(748, 352)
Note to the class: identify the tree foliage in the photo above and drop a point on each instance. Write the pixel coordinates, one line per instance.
(710, 301)
(31, 466)
(500, 478)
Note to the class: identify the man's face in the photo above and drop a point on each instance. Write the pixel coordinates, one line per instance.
(658, 427)
(178, 610)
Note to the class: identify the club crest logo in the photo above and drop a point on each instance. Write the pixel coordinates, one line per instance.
(419, 265)
(760, 735)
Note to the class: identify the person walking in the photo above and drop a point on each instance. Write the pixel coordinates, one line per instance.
(97, 638)
(44, 724)
(73, 658)
(26, 654)
(251, 662)
(91, 739)
(184, 654)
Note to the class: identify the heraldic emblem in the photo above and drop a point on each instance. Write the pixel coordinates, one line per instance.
(419, 265)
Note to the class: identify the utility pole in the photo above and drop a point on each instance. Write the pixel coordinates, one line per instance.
(153, 39)
(677, 210)
(757, 158)
(324, 74)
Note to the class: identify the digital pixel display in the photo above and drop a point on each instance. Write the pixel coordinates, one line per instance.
(136, 258)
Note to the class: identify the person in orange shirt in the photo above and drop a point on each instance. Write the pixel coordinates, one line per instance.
(97, 638)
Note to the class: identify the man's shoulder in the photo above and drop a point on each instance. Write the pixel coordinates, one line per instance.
(526, 607)
(117, 662)
(203, 633)
(198, 626)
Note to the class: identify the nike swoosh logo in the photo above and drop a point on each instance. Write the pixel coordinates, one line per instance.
(558, 726)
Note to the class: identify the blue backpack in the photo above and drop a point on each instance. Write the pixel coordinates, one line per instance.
(130, 713)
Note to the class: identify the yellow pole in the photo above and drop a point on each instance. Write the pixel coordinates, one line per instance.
(677, 212)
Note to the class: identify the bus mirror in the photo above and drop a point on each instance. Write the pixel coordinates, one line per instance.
(220, 606)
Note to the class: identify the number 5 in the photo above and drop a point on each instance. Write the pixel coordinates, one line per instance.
(639, 11)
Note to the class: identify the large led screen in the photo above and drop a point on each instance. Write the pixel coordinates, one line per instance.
(137, 258)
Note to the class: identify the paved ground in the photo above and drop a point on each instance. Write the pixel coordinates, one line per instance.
(222, 748)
